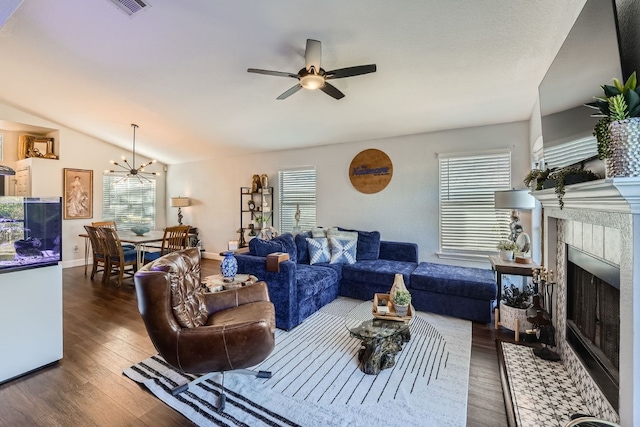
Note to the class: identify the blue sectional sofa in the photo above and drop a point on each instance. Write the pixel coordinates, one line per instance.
(300, 288)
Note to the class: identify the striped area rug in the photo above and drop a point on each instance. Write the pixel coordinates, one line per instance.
(317, 382)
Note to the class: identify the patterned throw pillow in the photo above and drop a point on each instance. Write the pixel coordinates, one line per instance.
(318, 250)
(318, 232)
(342, 251)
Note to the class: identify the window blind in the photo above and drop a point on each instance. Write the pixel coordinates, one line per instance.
(128, 202)
(469, 223)
(570, 153)
(297, 187)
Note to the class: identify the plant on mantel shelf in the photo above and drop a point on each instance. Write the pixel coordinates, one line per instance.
(561, 178)
(536, 176)
(618, 127)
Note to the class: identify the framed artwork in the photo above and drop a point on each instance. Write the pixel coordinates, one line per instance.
(78, 193)
(35, 146)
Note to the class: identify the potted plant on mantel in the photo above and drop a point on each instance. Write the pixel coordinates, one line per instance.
(618, 130)
(537, 176)
(514, 306)
(567, 176)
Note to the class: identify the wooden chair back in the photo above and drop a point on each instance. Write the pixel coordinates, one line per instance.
(97, 248)
(109, 224)
(117, 259)
(175, 238)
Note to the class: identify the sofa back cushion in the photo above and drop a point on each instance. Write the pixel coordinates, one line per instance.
(368, 244)
(282, 243)
(303, 247)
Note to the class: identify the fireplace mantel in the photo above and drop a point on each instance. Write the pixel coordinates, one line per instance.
(605, 195)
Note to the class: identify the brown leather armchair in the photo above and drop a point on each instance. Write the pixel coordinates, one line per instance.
(203, 333)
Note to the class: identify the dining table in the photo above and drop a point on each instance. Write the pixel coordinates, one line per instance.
(141, 242)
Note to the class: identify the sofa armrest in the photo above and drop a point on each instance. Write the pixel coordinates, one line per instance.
(398, 251)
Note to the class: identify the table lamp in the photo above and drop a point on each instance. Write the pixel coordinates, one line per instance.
(514, 200)
(179, 202)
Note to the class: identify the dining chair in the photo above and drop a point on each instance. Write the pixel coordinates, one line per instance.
(112, 224)
(175, 238)
(117, 259)
(98, 249)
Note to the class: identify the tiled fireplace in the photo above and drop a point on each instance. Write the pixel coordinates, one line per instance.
(600, 219)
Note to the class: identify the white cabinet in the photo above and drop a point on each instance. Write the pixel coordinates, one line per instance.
(31, 319)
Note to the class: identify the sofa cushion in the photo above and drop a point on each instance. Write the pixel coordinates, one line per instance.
(318, 250)
(368, 244)
(313, 280)
(453, 280)
(303, 247)
(282, 243)
(318, 232)
(342, 251)
(378, 272)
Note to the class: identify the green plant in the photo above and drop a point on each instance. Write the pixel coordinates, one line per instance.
(560, 178)
(506, 245)
(514, 297)
(261, 218)
(401, 297)
(618, 103)
(538, 176)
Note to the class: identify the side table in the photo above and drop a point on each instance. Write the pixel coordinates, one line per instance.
(501, 266)
(216, 283)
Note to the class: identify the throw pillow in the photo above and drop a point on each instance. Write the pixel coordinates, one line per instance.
(342, 251)
(318, 232)
(318, 250)
(368, 244)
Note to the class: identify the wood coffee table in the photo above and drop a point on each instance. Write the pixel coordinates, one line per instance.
(381, 339)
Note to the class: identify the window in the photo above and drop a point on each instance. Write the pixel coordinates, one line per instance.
(297, 187)
(128, 202)
(469, 223)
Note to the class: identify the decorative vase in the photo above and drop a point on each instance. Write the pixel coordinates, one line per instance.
(624, 148)
(264, 181)
(229, 267)
(398, 284)
(401, 310)
(506, 255)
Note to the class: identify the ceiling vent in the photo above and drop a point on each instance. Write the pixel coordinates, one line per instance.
(130, 6)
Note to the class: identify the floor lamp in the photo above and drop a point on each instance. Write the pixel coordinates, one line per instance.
(514, 200)
(179, 202)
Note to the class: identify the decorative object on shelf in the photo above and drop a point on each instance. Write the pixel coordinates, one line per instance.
(265, 203)
(401, 300)
(370, 171)
(180, 202)
(241, 242)
(264, 181)
(229, 267)
(618, 130)
(252, 230)
(251, 204)
(78, 193)
(130, 170)
(255, 183)
(568, 176)
(262, 220)
(537, 177)
(35, 146)
(514, 200)
(506, 248)
(513, 307)
(232, 245)
(140, 230)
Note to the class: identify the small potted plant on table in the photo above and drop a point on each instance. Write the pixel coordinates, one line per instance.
(401, 301)
(506, 249)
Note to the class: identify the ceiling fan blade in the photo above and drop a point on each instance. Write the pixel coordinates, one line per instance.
(332, 91)
(350, 71)
(272, 73)
(290, 92)
(313, 54)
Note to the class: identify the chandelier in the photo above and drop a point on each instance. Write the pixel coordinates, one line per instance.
(129, 169)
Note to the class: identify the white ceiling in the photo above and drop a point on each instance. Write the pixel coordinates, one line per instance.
(178, 69)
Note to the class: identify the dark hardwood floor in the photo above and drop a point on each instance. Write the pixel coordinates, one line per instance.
(103, 334)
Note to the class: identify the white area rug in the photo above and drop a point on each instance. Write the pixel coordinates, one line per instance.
(317, 382)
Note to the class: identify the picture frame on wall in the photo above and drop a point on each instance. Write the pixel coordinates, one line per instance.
(78, 193)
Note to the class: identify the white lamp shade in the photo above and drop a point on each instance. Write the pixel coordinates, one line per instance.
(514, 199)
(179, 202)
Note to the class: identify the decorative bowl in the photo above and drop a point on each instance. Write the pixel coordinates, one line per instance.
(139, 230)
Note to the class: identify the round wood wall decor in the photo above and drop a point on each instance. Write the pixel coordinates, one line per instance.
(370, 171)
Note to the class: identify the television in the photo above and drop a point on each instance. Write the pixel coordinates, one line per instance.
(30, 232)
(588, 58)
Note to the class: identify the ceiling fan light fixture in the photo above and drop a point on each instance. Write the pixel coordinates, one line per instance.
(312, 81)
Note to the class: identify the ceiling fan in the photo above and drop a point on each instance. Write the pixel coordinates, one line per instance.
(313, 77)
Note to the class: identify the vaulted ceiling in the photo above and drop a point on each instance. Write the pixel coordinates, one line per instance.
(178, 69)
